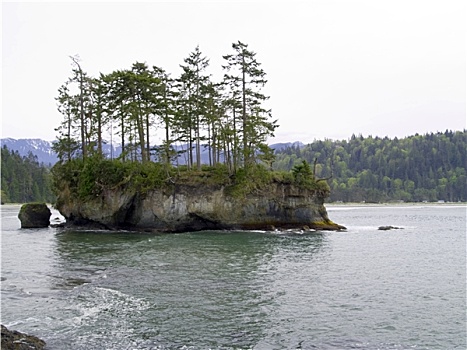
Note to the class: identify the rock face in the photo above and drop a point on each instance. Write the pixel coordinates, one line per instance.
(14, 340)
(193, 208)
(34, 215)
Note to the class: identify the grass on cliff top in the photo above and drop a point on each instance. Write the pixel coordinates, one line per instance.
(91, 178)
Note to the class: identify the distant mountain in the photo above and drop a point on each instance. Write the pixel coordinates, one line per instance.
(281, 146)
(43, 149)
(40, 148)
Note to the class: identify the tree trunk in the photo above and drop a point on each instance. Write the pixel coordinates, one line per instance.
(81, 108)
(198, 145)
(235, 151)
(99, 130)
(140, 129)
(148, 146)
(123, 138)
(245, 138)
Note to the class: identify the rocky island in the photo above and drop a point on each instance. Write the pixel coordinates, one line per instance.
(169, 187)
(208, 200)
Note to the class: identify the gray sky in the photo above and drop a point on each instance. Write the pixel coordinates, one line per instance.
(381, 68)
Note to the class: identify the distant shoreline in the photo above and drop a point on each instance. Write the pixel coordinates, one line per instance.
(360, 204)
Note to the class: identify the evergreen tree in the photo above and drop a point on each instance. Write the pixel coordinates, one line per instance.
(165, 110)
(80, 77)
(66, 146)
(246, 73)
(192, 83)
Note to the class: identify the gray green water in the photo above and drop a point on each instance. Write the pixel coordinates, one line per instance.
(360, 289)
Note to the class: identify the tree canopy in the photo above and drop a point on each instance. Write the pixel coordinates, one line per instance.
(229, 117)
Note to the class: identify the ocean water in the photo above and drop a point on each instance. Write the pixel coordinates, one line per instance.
(359, 289)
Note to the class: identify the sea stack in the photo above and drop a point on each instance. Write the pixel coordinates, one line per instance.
(34, 215)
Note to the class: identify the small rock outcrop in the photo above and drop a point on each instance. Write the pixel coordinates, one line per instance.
(14, 340)
(34, 215)
(387, 228)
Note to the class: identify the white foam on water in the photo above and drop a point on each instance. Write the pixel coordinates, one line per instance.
(341, 208)
(105, 302)
(32, 320)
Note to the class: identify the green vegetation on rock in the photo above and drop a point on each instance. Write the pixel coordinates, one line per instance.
(96, 175)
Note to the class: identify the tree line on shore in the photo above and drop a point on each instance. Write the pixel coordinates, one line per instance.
(24, 179)
(417, 168)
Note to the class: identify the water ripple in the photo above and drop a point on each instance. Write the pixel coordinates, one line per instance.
(360, 289)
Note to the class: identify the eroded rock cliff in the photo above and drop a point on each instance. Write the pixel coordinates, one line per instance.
(186, 207)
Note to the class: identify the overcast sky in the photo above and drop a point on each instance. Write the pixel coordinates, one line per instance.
(334, 68)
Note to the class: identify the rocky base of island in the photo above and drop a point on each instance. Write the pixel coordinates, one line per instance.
(186, 208)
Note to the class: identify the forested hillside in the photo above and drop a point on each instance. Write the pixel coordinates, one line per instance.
(428, 167)
(24, 179)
